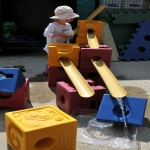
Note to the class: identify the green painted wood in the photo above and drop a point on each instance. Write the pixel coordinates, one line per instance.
(130, 17)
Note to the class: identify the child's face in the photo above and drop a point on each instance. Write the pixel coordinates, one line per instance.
(64, 21)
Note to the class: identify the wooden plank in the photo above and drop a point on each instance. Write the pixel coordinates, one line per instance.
(108, 40)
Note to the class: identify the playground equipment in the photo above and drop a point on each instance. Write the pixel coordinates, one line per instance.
(45, 127)
(91, 30)
(93, 15)
(66, 55)
(14, 89)
(116, 91)
(133, 107)
(11, 79)
(115, 106)
(68, 99)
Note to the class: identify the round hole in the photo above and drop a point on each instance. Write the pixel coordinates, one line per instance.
(90, 30)
(62, 99)
(147, 37)
(96, 58)
(118, 112)
(44, 144)
(141, 49)
(63, 58)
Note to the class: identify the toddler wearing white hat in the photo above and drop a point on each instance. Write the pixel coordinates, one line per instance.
(59, 31)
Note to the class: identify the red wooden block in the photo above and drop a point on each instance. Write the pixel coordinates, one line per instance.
(56, 74)
(94, 76)
(86, 54)
(68, 99)
(17, 100)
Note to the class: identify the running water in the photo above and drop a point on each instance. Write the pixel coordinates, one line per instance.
(120, 102)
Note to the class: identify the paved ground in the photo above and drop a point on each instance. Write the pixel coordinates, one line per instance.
(134, 76)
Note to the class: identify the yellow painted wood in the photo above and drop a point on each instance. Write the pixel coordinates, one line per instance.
(58, 50)
(114, 87)
(41, 128)
(80, 40)
(92, 40)
(89, 25)
(92, 15)
(77, 79)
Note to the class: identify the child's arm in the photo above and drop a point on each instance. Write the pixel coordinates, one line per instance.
(49, 31)
(63, 35)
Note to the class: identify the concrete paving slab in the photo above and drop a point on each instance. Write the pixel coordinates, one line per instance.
(134, 77)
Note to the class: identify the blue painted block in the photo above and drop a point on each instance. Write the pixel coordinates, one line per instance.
(10, 79)
(134, 109)
(138, 47)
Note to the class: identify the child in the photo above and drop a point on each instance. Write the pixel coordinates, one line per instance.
(59, 31)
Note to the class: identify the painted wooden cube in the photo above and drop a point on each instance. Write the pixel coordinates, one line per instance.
(11, 79)
(103, 52)
(68, 99)
(41, 128)
(89, 25)
(57, 51)
(17, 100)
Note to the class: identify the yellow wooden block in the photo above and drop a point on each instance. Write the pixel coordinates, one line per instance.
(80, 40)
(85, 25)
(41, 128)
(57, 51)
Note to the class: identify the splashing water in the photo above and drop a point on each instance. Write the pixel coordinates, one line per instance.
(120, 102)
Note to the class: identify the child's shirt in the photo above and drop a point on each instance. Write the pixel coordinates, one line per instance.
(56, 28)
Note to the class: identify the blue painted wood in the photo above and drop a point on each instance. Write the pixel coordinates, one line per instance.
(11, 79)
(134, 109)
(138, 46)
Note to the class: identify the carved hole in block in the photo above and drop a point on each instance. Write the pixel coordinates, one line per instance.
(62, 99)
(118, 112)
(15, 136)
(141, 49)
(5, 95)
(2, 75)
(90, 31)
(93, 104)
(147, 37)
(96, 58)
(93, 75)
(64, 58)
(44, 143)
(9, 75)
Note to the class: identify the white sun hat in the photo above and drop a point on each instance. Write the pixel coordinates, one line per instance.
(64, 12)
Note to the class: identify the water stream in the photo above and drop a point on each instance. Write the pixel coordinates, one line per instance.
(120, 102)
